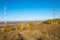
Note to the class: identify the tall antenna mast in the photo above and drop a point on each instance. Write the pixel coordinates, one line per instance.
(5, 17)
(53, 13)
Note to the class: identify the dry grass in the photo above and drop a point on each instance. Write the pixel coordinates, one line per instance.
(36, 32)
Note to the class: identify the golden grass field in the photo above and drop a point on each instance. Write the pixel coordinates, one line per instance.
(32, 31)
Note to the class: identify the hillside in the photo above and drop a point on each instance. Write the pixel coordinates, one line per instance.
(52, 21)
(36, 31)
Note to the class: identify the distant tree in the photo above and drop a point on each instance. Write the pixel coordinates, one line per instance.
(8, 28)
(21, 27)
(29, 25)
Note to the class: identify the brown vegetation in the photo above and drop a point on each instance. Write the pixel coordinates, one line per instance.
(48, 30)
(54, 21)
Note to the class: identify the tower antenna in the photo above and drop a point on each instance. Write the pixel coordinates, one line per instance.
(5, 17)
(54, 13)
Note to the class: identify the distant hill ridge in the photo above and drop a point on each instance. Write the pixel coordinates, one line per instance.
(52, 21)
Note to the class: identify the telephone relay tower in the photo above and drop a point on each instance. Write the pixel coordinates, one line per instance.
(5, 17)
(53, 13)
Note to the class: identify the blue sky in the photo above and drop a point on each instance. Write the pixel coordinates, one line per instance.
(26, 10)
